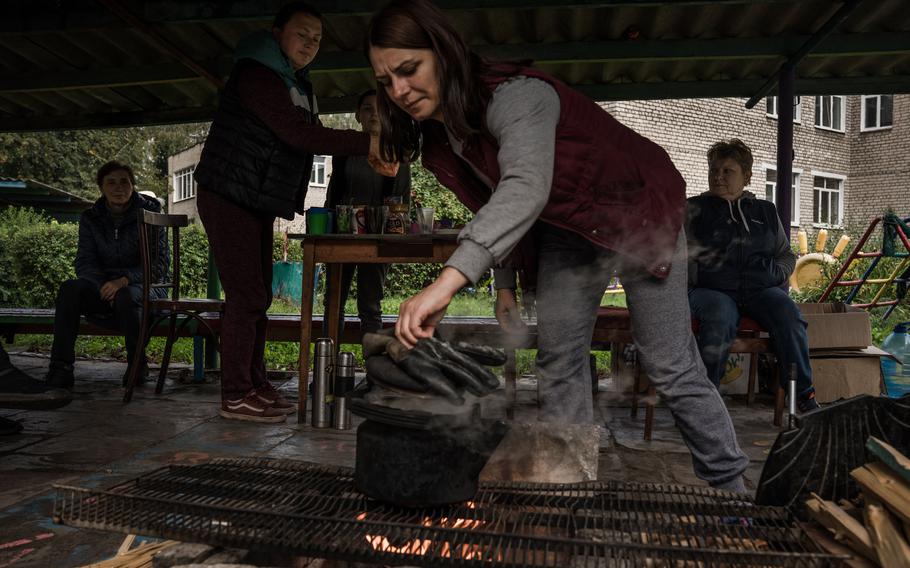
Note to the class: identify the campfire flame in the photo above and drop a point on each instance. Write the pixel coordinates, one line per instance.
(421, 547)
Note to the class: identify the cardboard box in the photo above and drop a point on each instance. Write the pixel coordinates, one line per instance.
(837, 326)
(841, 374)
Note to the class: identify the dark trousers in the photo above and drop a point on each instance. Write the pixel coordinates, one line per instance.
(370, 283)
(241, 242)
(83, 298)
(718, 319)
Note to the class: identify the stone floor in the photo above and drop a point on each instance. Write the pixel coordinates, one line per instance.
(97, 442)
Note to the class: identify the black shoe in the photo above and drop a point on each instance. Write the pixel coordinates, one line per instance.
(805, 401)
(18, 390)
(60, 375)
(141, 378)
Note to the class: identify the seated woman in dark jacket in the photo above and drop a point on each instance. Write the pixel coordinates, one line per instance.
(108, 283)
(739, 258)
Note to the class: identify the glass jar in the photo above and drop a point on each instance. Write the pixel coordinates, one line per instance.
(398, 221)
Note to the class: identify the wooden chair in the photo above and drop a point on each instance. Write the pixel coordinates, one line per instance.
(161, 271)
(750, 338)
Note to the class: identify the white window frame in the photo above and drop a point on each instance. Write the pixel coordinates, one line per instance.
(840, 198)
(184, 191)
(878, 110)
(843, 113)
(798, 172)
(318, 166)
(797, 109)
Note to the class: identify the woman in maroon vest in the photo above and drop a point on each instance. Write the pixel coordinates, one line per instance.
(566, 195)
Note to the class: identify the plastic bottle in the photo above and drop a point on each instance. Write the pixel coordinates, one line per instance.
(897, 375)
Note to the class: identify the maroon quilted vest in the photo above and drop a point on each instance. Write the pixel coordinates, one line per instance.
(611, 185)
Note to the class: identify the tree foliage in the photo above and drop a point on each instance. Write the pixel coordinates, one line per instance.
(68, 159)
(427, 192)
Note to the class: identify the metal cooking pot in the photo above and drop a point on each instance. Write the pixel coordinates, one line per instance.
(415, 467)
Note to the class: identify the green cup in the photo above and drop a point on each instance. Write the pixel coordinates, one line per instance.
(317, 221)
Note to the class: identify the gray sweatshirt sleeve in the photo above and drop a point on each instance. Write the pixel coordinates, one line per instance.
(522, 117)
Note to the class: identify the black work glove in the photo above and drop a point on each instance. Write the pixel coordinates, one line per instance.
(438, 367)
(482, 354)
(438, 360)
(381, 369)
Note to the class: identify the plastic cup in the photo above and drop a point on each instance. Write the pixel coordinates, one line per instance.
(425, 219)
(318, 221)
(344, 219)
(376, 219)
(359, 222)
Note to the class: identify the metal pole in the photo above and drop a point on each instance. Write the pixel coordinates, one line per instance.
(785, 145)
(791, 395)
(213, 290)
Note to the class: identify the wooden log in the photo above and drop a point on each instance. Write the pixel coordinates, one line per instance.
(893, 551)
(880, 482)
(888, 455)
(844, 527)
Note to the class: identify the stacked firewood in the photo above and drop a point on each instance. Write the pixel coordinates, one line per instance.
(877, 525)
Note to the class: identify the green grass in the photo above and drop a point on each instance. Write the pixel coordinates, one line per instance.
(285, 355)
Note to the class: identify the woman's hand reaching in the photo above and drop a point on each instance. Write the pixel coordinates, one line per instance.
(419, 314)
(380, 166)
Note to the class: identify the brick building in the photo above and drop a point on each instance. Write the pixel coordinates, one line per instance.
(182, 197)
(850, 152)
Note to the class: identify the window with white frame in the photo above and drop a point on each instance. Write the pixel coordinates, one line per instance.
(771, 106)
(827, 198)
(317, 177)
(184, 185)
(829, 112)
(877, 112)
(771, 192)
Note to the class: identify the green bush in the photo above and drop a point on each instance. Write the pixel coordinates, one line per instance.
(42, 258)
(427, 192)
(13, 220)
(194, 261)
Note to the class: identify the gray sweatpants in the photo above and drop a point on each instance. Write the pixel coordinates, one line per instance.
(572, 276)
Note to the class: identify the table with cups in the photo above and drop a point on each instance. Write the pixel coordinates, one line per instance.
(336, 249)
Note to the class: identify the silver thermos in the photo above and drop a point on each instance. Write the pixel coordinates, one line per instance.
(323, 366)
(344, 383)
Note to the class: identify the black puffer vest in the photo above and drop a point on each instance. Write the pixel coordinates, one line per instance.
(245, 162)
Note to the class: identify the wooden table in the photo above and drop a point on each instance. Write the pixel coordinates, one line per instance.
(335, 250)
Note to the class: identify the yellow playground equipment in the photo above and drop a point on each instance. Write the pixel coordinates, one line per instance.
(895, 229)
(809, 268)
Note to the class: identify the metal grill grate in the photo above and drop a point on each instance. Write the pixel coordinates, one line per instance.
(315, 511)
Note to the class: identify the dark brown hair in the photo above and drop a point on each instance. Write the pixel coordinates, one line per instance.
(113, 166)
(364, 95)
(418, 24)
(733, 148)
(286, 12)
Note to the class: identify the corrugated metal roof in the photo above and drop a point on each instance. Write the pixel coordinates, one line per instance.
(83, 63)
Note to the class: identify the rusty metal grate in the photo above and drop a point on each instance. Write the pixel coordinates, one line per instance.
(315, 511)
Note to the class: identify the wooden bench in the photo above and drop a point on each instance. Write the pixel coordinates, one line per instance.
(282, 327)
(614, 325)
